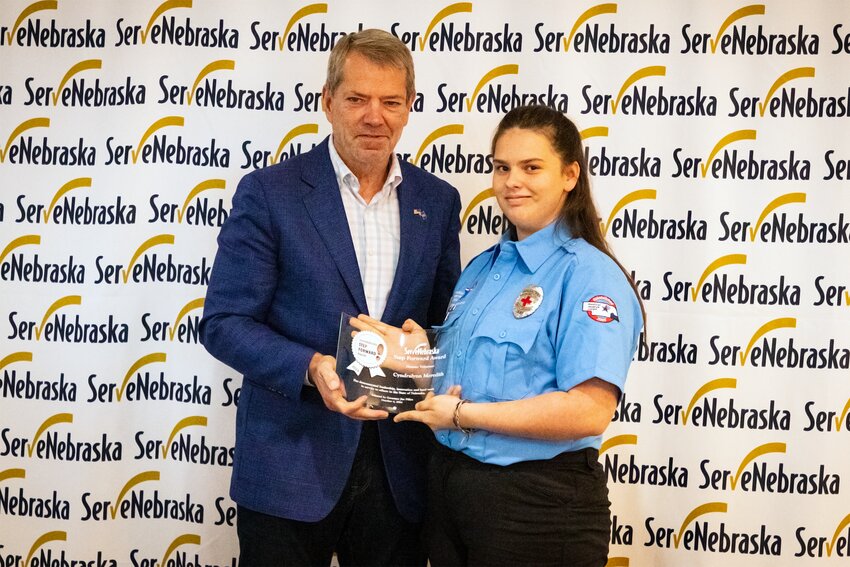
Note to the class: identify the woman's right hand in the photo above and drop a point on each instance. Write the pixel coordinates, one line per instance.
(437, 412)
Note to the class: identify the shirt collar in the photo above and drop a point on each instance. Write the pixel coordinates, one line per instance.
(346, 179)
(536, 248)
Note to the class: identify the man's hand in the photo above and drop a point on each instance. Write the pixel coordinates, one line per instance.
(322, 373)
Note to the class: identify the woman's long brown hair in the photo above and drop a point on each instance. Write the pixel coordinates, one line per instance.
(578, 212)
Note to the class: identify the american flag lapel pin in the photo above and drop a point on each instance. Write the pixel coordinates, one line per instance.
(420, 213)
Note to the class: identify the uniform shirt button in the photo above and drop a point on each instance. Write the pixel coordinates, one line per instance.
(459, 353)
(503, 334)
(497, 277)
(475, 311)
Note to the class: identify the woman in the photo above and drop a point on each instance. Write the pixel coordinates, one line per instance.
(540, 332)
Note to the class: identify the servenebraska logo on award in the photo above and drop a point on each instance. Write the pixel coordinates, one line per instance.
(395, 369)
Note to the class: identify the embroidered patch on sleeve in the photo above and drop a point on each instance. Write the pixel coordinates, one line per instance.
(601, 308)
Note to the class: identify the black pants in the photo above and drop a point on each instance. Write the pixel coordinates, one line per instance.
(553, 512)
(364, 528)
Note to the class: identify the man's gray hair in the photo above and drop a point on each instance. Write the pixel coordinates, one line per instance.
(379, 47)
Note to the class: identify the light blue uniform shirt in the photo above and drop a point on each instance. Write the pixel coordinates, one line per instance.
(587, 325)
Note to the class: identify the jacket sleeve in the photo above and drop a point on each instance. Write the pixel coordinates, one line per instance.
(235, 328)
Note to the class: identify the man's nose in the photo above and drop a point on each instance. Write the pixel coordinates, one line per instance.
(373, 113)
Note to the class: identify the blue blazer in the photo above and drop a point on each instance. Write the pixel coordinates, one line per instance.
(284, 272)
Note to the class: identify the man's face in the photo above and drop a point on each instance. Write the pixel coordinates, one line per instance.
(367, 111)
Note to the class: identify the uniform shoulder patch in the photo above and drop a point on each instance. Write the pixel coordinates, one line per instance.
(601, 309)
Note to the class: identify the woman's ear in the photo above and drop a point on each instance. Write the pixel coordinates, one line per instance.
(571, 173)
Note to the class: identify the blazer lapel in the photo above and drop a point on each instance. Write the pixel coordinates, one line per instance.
(324, 205)
(414, 223)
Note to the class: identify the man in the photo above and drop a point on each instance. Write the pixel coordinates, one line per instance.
(346, 227)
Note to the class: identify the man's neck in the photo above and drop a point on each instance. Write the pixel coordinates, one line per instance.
(371, 176)
(371, 180)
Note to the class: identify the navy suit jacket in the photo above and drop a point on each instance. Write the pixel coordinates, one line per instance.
(284, 272)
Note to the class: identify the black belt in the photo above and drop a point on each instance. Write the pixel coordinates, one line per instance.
(588, 455)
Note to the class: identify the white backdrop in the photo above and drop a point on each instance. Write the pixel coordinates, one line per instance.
(717, 140)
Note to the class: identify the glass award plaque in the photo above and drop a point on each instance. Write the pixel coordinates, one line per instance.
(393, 368)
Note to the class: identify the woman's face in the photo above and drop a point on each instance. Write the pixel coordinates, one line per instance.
(530, 180)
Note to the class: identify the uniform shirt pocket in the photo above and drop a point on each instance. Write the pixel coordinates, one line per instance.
(508, 372)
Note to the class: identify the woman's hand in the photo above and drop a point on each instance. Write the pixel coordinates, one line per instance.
(437, 412)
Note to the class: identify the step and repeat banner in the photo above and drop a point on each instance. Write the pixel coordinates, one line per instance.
(717, 138)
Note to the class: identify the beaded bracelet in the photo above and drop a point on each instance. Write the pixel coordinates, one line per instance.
(456, 419)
